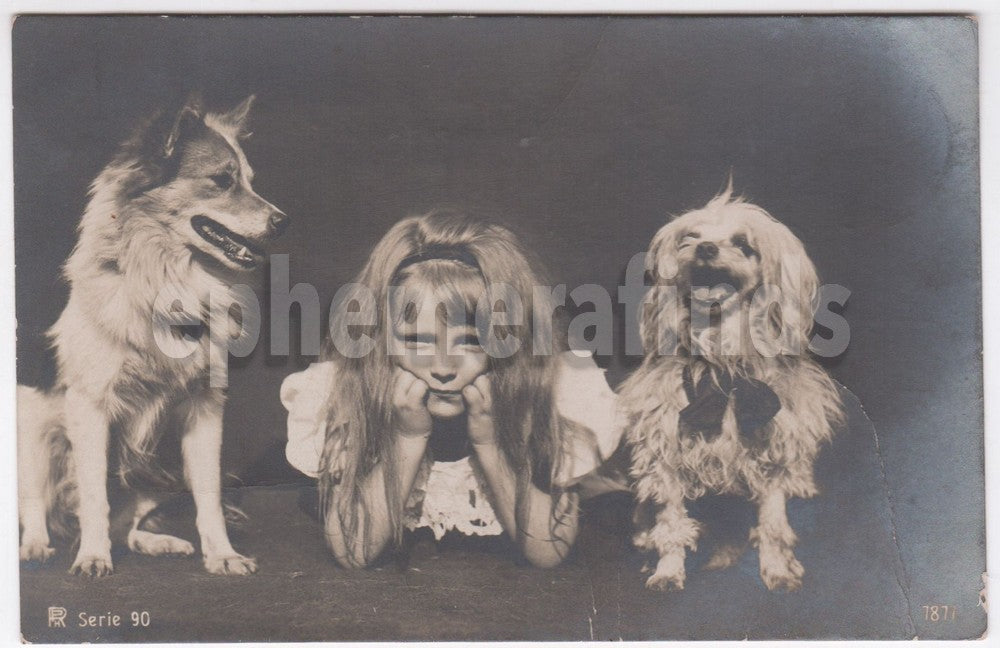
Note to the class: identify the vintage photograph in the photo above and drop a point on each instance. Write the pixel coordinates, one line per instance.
(605, 327)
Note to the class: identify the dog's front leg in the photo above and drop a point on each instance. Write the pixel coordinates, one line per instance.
(775, 539)
(672, 534)
(87, 431)
(201, 446)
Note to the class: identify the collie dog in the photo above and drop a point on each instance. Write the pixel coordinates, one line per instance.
(726, 400)
(172, 214)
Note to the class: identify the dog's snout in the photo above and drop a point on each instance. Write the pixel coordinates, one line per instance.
(278, 222)
(707, 251)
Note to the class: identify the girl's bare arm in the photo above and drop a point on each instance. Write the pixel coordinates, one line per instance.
(549, 531)
(374, 529)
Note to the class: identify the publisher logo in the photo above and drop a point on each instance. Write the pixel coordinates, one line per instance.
(57, 617)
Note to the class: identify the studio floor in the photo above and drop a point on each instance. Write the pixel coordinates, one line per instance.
(478, 588)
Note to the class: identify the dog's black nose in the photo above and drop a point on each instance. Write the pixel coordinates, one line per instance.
(707, 251)
(278, 222)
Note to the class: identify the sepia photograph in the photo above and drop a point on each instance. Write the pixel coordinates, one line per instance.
(498, 327)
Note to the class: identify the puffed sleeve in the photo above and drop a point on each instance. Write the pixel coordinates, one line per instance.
(584, 398)
(304, 394)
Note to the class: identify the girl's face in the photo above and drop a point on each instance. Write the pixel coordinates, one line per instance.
(447, 357)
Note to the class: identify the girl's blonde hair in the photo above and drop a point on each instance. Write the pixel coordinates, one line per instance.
(456, 257)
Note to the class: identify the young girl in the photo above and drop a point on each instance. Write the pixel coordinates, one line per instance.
(458, 413)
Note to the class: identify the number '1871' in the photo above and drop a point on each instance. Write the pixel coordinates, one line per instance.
(935, 613)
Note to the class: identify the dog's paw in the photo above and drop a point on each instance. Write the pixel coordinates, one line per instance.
(158, 544)
(664, 582)
(231, 565)
(91, 565)
(38, 552)
(782, 573)
(643, 541)
(669, 573)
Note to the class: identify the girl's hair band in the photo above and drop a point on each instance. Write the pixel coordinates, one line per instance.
(443, 252)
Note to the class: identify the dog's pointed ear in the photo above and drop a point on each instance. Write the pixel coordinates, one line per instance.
(187, 117)
(238, 117)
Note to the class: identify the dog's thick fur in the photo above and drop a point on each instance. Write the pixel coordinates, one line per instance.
(171, 219)
(739, 244)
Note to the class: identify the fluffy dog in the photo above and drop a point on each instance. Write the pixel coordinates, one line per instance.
(172, 215)
(726, 401)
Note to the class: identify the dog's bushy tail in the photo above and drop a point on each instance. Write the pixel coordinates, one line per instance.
(41, 420)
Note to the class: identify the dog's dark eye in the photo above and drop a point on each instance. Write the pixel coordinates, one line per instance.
(222, 180)
(687, 239)
(741, 242)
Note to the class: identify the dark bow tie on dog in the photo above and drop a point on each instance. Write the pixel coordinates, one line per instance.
(754, 404)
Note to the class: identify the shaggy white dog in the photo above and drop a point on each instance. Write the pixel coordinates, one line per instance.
(726, 400)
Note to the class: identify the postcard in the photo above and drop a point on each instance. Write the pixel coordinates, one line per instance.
(337, 328)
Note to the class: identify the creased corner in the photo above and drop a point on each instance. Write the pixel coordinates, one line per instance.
(900, 571)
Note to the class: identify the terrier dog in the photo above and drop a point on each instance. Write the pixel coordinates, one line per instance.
(726, 400)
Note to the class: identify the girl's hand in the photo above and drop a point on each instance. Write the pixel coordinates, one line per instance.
(479, 402)
(408, 394)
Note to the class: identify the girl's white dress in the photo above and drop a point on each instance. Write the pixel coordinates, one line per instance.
(453, 494)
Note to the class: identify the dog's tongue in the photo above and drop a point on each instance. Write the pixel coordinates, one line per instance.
(708, 294)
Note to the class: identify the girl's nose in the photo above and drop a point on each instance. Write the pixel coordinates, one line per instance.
(445, 367)
(442, 375)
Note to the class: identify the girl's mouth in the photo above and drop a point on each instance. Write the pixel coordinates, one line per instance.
(441, 393)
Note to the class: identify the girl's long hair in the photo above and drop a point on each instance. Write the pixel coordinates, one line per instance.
(360, 426)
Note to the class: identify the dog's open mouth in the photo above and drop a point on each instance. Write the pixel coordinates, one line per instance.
(710, 285)
(236, 248)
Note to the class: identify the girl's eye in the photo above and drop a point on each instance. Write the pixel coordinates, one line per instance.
(416, 342)
(466, 344)
(470, 342)
(222, 180)
(420, 348)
